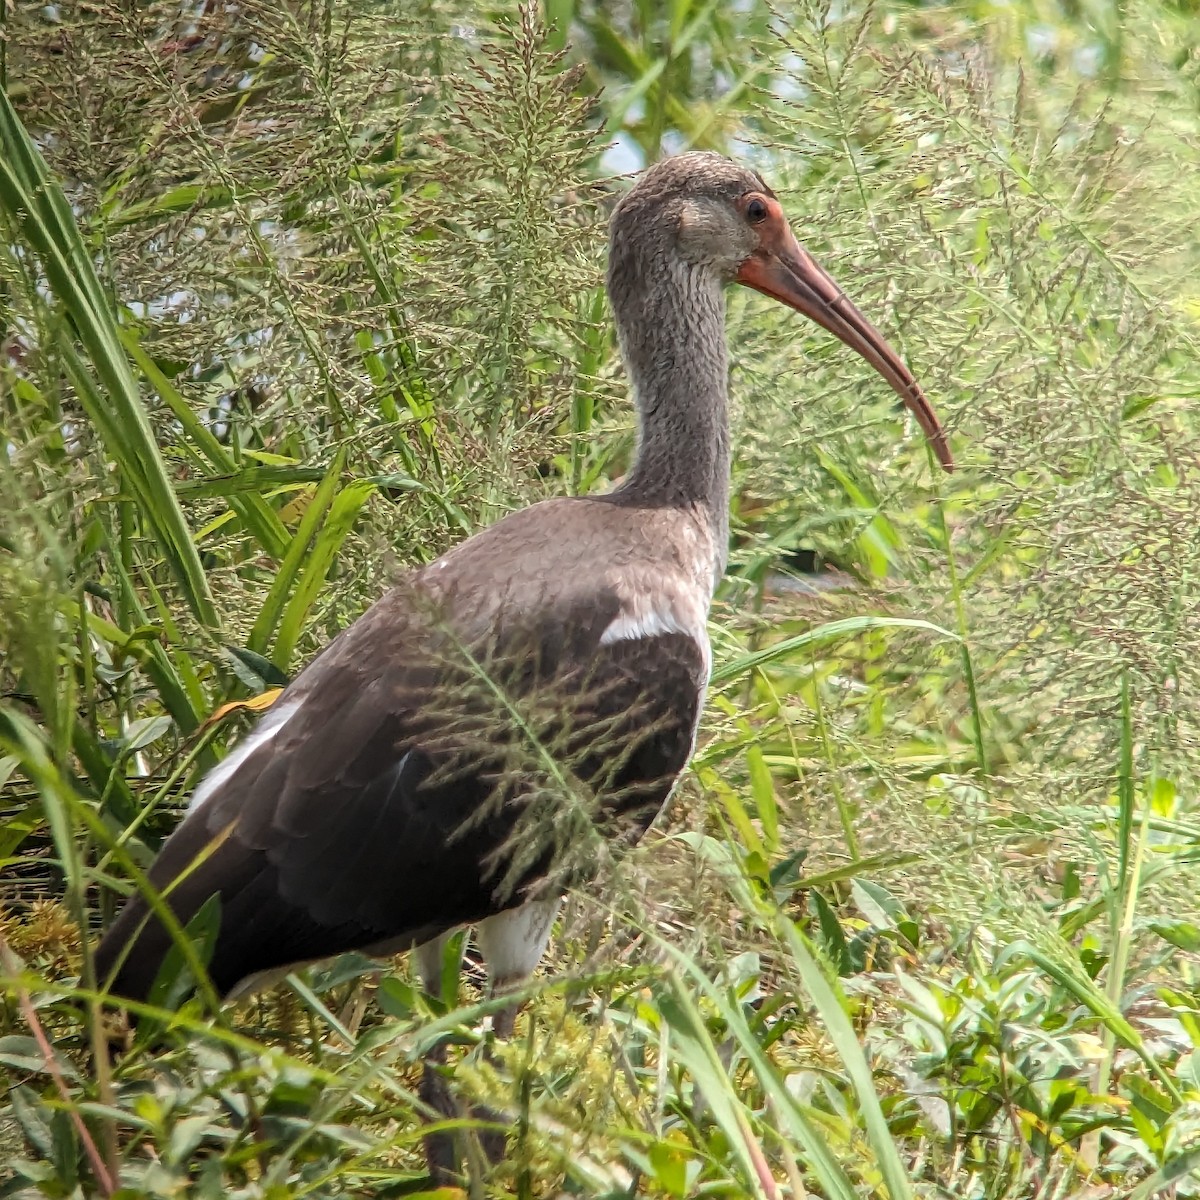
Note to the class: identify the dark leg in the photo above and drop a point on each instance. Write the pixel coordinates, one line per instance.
(441, 1150)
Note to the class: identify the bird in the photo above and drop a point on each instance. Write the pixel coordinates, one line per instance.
(508, 717)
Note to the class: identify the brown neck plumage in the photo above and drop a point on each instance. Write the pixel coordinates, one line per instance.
(670, 318)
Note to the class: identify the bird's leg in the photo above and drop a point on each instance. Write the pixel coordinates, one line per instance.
(512, 944)
(441, 1153)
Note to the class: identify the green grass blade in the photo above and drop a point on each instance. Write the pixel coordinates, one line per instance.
(286, 579)
(1125, 789)
(830, 1174)
(826, 998)
(36, 205)
(1179, 1169)
(1123, 899)
(819, 636)
(1089, 995)
(337, 527)
(257, 515)
(693, 1045)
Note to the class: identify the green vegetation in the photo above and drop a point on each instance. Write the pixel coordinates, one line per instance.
(292, 296)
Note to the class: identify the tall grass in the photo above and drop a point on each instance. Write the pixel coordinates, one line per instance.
(292, 298)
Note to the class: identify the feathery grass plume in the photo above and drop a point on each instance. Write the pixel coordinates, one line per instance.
(1010, 247)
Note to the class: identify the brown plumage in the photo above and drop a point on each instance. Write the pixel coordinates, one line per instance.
(472, 745)
(380, 802)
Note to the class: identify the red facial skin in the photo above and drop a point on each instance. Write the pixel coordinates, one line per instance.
(782, 269)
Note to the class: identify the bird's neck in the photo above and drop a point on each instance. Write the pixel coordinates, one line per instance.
(672, 334)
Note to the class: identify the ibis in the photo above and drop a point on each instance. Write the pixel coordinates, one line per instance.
(508, 716)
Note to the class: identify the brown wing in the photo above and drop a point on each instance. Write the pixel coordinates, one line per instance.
(413, 779)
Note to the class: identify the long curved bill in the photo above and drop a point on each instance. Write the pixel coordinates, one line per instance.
(788, 273)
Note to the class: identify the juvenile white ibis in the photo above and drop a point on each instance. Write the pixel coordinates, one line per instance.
(467, 749)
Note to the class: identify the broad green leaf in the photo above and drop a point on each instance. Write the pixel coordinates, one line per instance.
(145, 731)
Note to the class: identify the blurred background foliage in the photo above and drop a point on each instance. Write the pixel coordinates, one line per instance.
(294, 296)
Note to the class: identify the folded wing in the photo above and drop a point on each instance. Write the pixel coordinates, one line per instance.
(418, 776)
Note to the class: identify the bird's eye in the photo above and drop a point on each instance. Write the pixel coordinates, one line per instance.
(756, 211)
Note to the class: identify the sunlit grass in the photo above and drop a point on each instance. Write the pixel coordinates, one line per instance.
(309, 299)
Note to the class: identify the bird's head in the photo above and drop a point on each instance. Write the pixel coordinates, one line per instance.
(712, 214)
